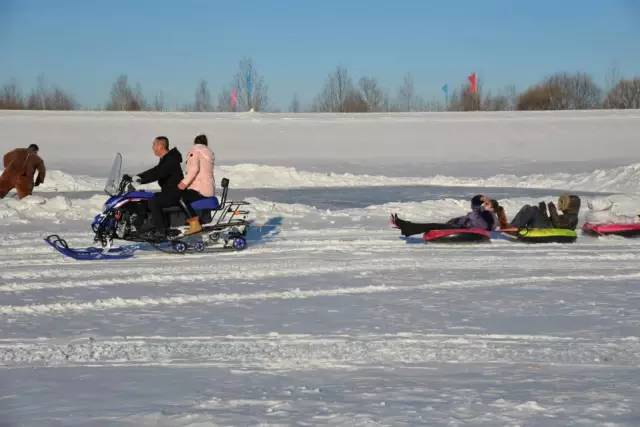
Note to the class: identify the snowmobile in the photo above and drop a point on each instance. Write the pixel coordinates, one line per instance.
(126, 216)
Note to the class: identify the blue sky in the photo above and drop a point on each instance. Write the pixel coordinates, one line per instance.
(83, 45)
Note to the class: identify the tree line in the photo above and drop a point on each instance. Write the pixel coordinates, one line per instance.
(247, 91)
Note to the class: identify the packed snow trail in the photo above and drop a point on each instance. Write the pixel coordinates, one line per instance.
(328, 316)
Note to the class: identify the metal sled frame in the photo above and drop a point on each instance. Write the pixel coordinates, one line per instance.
(225, 215)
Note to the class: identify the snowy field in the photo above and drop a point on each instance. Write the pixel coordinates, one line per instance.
(328, 317)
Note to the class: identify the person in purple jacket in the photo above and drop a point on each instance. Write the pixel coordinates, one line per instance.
(479, 217)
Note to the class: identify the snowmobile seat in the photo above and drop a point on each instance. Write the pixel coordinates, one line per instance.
(208, 203)
(204, 207)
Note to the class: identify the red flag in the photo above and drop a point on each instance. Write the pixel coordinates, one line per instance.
(234, 98)
(473, 83)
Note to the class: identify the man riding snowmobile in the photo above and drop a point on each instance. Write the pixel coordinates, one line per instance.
(168, 173)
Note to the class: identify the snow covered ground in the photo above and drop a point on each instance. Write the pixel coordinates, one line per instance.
(328, 318)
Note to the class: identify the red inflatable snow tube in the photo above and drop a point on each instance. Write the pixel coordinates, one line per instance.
(625, 230)
(457, 235)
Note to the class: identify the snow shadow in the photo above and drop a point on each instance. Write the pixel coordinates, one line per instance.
(263, 233)
(412, 240)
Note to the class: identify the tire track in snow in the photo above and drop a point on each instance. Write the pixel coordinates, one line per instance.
(303, 352)
(176, 300)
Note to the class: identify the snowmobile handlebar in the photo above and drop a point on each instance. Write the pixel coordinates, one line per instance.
(125, 184)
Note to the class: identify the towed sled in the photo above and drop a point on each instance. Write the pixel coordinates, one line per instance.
(546, 235)
(478, 235)
(126, 217)
(624, 230)
(457, 235)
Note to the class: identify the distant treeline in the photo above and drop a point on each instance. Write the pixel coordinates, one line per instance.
(248, 91)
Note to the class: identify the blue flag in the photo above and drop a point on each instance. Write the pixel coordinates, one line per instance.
(249, 86)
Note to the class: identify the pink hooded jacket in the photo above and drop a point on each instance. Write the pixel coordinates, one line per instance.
(199, 176)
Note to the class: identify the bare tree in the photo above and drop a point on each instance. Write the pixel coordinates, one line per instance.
(407, 93)
(505, 100)
(354, 103)
(561, 91)
(11, 97)
(38, 97)
(334, 93)
(294, 107)
(44, 98)
(224, 101)
(158, 103)
(372, 94)
(58, 99)
(139, 97)
(203, 97)
(250, 87)
(626, 94)
(463, 99)
(434, 105)
(125, 98)
(539, 97)
(578, 91)
(612, 77)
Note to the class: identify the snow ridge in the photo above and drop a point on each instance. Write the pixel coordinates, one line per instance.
(307, 352)
(177, 300)
(622, 179)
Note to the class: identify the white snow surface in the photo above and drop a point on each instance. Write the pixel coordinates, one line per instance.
(328, 317)
(82, 142)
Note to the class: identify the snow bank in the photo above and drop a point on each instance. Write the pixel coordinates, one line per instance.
(624, 179)
(59, 181)
(56, 209)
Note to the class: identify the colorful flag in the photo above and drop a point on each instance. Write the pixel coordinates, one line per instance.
(249, 86)
(445, 89)
(234, 98)
(473, 83)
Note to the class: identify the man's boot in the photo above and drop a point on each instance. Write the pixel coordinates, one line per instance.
(194, 226)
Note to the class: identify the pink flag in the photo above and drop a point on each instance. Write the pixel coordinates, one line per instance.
(473, 83)
(234, 98)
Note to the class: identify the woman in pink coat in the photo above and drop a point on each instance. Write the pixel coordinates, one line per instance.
(199, 181)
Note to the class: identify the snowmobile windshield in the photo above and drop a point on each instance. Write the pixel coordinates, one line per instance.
(113, 182)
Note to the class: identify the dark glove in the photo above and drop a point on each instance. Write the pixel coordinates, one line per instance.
(126, 177)
(35, 184)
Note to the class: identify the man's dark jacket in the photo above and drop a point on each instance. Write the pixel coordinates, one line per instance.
(167, 172)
